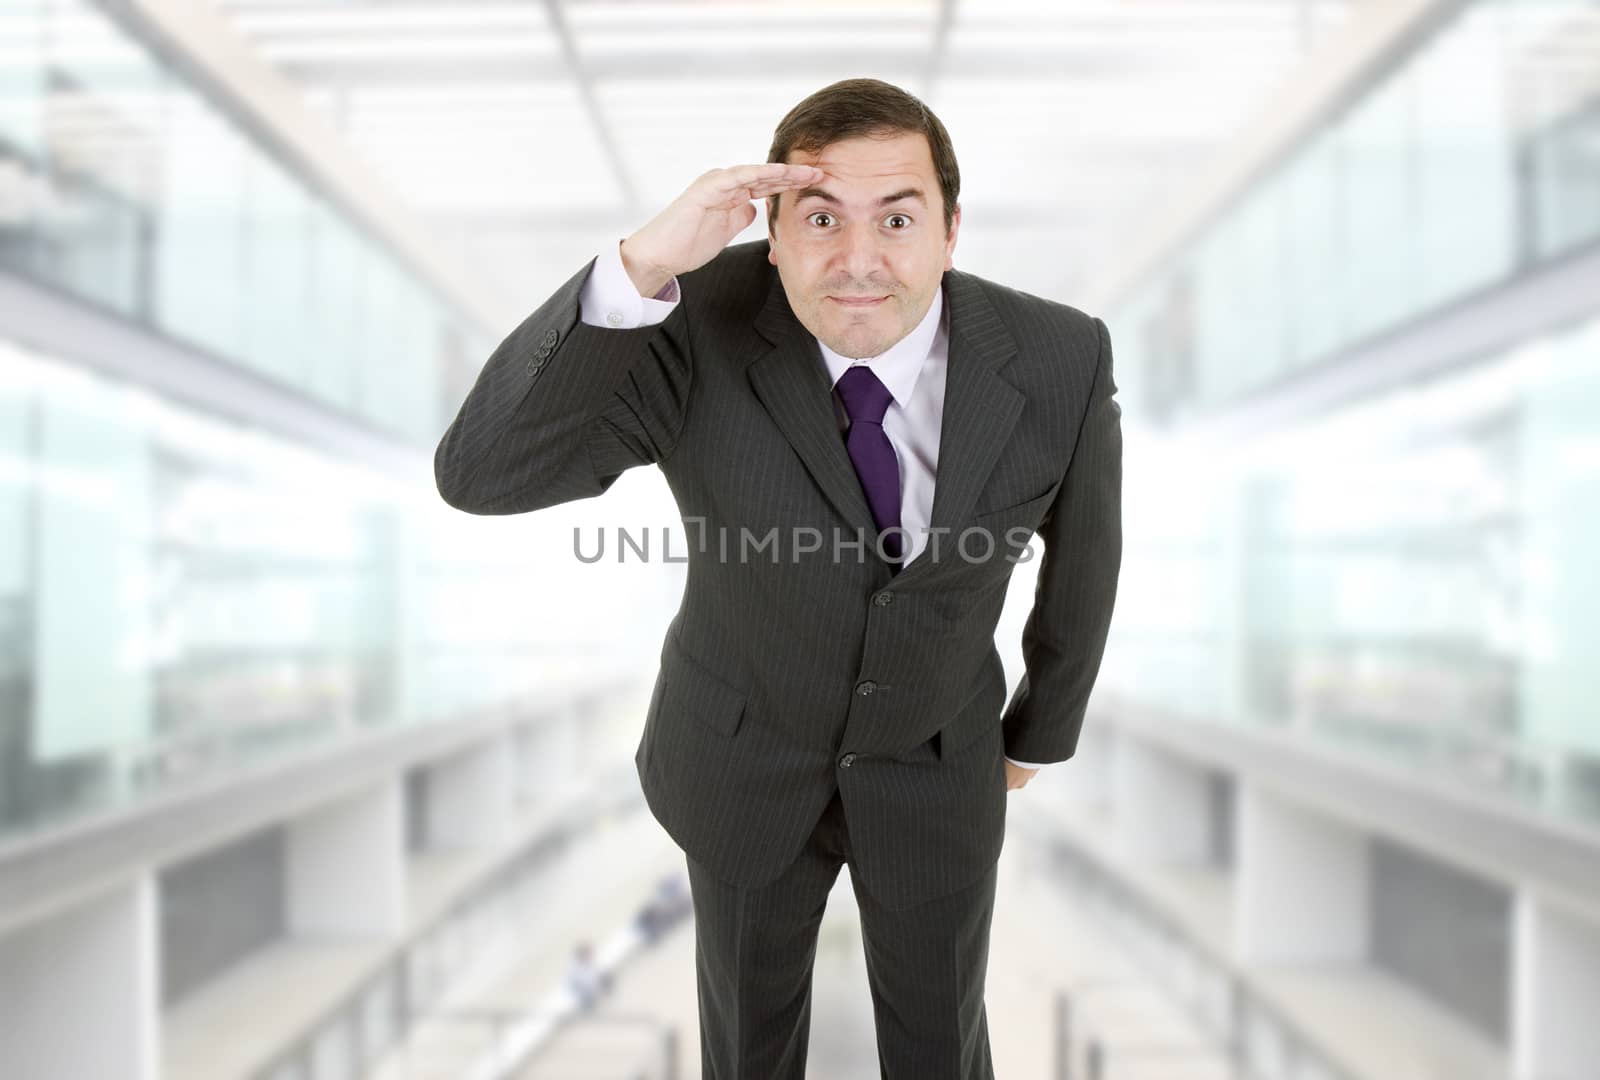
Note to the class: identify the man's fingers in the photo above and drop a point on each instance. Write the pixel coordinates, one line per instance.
(730, 197)
(761, 191)
(775, 175)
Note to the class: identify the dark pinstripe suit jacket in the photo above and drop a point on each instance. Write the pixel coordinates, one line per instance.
(785, 674)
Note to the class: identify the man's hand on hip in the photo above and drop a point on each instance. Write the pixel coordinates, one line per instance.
(1017, 776)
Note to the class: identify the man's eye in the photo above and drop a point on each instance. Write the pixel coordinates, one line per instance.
(829, 219)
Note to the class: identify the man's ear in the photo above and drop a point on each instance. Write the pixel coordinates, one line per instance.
(950, 241)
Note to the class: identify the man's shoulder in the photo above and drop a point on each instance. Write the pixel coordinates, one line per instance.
(738, 277)
(750, 254)
(1017, 307)
(1058, 344)
(750, 251)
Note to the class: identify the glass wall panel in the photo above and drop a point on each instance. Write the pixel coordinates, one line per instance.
(98, 129)
(1172, 601)
(1377, 208)
(199, 246)
(278, 285)
(1315, 269)
(335, 311)
(1471, 161)
(181, 596)
(1558, 484)
(1565, 164)
(22, 73)
(1411, 576)
(1259, 351)
(1214, 313)
(125, 185)
(1466, 207)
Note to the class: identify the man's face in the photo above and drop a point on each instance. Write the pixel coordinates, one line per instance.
(872, 229)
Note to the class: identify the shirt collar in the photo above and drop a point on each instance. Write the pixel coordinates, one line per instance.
(899, 365)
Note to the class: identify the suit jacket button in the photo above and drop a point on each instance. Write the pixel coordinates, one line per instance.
(865, 687)
(550, 337)
(846, 761)
(883, 599)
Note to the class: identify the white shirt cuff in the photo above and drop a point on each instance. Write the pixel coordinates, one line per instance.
(610, 298)
(1027, 764)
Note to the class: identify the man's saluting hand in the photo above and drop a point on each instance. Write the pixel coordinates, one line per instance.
(699, 223)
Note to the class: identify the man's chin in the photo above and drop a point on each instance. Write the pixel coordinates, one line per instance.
(852, 351)
(856, 347)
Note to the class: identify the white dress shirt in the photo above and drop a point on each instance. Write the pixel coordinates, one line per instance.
(913, 370)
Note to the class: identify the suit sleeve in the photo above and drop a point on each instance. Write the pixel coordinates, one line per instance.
(562, 407)
(1028, 764)
(1064, 637)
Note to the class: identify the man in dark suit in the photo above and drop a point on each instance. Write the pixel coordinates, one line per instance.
(862, 440)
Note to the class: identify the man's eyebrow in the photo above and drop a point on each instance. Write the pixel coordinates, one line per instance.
(818, 193)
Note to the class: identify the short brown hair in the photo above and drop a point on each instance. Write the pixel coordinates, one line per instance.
(871, 107)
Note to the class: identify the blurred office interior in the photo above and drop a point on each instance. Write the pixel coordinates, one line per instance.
(306, 775)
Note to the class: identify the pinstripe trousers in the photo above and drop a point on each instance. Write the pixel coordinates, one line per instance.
(755, 949)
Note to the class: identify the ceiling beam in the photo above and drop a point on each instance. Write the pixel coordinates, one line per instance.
(578, 70)
(1055, 65)
(940, 49)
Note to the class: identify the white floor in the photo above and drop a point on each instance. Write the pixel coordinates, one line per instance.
(1040, 945)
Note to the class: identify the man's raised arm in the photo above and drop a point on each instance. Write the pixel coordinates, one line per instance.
(565, 404)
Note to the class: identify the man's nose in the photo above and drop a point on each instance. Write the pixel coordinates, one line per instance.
(861, 255)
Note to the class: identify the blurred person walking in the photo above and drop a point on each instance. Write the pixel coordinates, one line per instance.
(584, 978)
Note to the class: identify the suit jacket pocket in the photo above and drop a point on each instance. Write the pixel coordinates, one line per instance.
(1029, 509)
(1010, 527)
(691, 689)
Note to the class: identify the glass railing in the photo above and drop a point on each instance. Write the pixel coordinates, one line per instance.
(1257, 1040)
(180, 596)
(375, 1029)
(1412, 577)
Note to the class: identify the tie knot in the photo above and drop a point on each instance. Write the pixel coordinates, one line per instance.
(864, 395)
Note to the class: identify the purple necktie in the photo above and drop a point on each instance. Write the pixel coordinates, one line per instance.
(866, 399)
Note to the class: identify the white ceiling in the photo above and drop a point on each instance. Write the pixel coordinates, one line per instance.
(528, 132)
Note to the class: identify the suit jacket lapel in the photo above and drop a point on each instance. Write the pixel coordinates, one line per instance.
(792, 383)
(980, 407)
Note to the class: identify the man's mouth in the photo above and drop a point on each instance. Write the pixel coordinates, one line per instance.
(858, 301)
